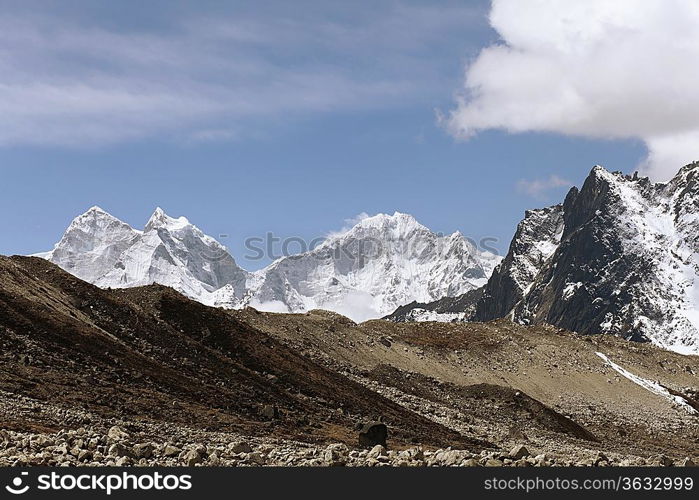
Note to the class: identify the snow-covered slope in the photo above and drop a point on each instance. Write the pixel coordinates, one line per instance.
(103, 250)
(383, 262)
(627, 263)
(92, 244)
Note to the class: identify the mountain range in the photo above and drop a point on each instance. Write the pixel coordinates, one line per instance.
(381, 263)
(618, 256)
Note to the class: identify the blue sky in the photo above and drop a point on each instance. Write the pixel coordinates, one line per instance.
(267, 117)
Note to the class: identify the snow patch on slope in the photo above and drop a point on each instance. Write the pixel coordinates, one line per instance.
(651, 386)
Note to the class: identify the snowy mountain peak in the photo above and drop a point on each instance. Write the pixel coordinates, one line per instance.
(97, 210)
(382, 262)
(91, 243)
(94, 217)
(396, 226)
(160, 219)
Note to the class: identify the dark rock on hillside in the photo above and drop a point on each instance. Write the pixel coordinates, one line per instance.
(465, 303)
(372, 434)
(537, 237)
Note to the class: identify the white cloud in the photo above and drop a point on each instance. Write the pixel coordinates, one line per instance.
(538, 187)
(593, 68)
(348, 224)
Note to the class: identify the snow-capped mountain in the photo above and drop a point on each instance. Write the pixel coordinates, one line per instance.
(620, 256)
(383, 262)
(103, 250)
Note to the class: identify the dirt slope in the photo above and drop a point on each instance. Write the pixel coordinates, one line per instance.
(151, 354)
(475, 376)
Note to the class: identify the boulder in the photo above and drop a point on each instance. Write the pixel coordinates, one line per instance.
(336, 454)
(171, 450)
(256, 458)
(123, 462)
(119, 450)
(519, 451)
(239, 447)
(376, 452)
(192, 458)
(116, 434)
(451, 458)
(143, 450)
(372, 434)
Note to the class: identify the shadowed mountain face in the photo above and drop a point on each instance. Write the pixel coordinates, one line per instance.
(150, 353)
(618, 257)
(450, 309)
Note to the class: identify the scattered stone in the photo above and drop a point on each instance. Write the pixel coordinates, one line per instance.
(270, 412)
(143, 450)
(116, 433)
(519, 451)
(256, 457)
(336, 454)
(119, 450)
(376, 452)
(192, 458)
(663, 461)
(171, 451)
(453, 457)
(600, 458)
(239, 447)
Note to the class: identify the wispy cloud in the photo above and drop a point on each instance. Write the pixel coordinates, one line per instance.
(537, 188)
(69, 81)
(348, 224)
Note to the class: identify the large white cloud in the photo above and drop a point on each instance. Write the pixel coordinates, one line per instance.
(593, 68)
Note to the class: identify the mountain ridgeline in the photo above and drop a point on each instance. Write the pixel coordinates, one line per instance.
(618, 256)
(381, 263)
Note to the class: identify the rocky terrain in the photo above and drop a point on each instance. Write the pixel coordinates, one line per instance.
(145, 376)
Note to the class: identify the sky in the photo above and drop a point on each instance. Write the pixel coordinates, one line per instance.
(291, 118)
